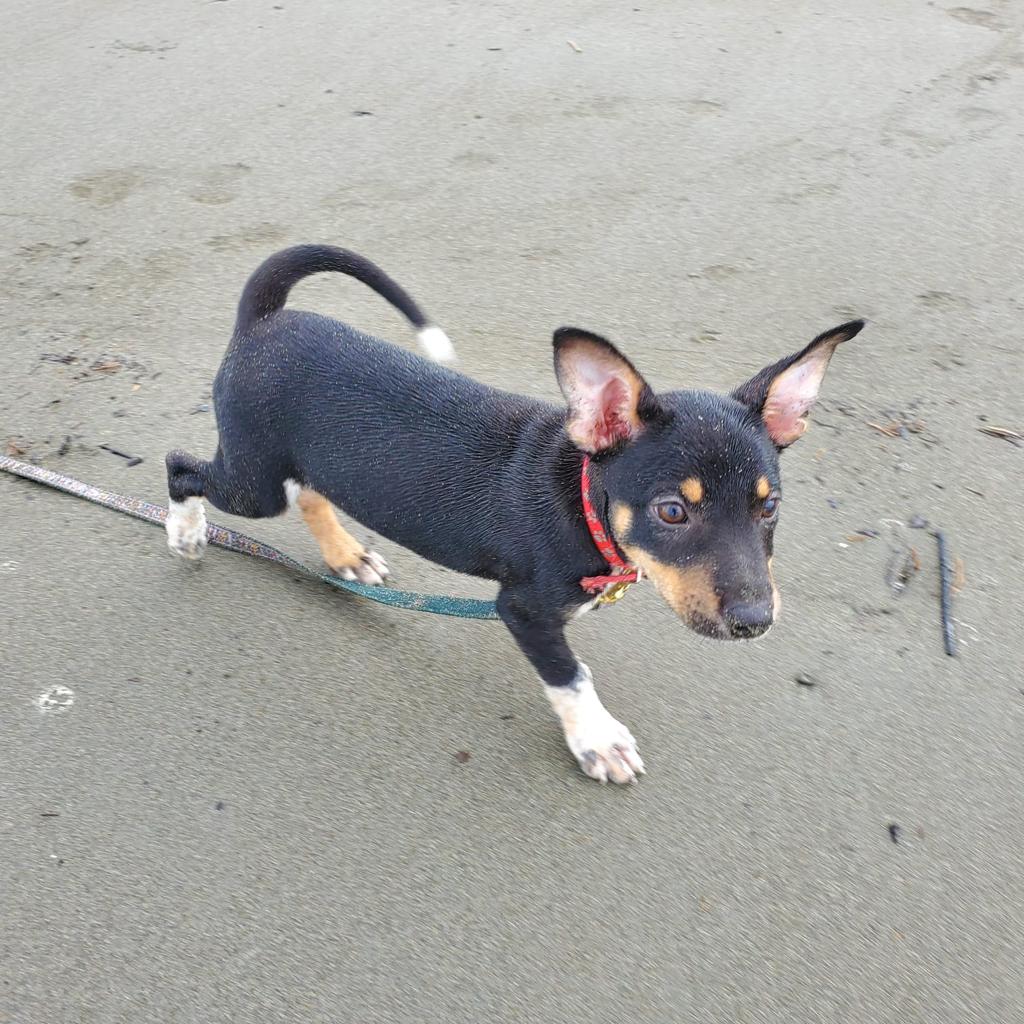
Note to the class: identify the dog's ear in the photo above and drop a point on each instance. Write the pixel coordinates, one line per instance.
(782, 394)
(609, 402)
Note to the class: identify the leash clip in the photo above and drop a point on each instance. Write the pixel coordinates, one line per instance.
(617, 591)
(614, 592)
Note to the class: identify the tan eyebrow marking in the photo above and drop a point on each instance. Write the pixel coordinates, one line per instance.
(763, 487)
(692, 490)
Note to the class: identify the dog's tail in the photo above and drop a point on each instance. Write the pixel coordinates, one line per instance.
(267, 290)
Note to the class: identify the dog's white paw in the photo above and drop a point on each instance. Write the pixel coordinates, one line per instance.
(186, 528)
(603, 746)
(371, 570)
(607, 752)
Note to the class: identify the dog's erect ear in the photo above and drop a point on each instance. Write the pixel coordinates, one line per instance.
(783, 393)
(609, 402)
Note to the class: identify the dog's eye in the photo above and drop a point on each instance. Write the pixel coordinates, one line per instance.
(769, 507)
(671, 512)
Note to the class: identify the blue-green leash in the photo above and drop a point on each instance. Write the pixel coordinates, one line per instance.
(220, 536)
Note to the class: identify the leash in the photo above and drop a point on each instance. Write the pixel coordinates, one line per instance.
(232, 540)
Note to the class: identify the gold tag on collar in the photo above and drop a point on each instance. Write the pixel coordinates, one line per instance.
(615, 592)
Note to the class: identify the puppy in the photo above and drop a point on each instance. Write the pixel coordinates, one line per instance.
(562, 507)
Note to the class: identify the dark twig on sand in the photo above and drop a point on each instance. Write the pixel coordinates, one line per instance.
(945, 595)
(133, 460)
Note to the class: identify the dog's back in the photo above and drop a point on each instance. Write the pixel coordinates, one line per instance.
(400, 443)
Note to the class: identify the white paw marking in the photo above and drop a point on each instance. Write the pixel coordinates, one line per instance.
(372, 570)
(436, 345)
(186, 528)
(292, 490)
(56, 698)
(604, 747)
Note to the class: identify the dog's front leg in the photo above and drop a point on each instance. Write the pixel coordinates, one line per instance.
(604, 747)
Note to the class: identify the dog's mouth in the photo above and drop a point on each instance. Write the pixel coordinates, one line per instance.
(720, 629)
(706, 626)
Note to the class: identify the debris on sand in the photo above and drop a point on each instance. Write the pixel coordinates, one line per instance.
(1014, 437)
(898, 427)
(64, 358)
(946, 595)
(133, 460)
(903, 562)
(959, 575)
(106, 366)
(889, 429)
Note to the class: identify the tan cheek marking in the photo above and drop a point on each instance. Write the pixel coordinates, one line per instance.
(692, 490)
(687, 591)
(763, 487)
(622, 520)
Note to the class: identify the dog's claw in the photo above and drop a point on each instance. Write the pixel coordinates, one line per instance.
(631, 756)
(375, 564)
(618, 761)
(372, 570)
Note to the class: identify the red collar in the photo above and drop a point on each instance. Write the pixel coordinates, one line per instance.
(613, 586)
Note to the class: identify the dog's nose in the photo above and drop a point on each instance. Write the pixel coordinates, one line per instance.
(747, 619)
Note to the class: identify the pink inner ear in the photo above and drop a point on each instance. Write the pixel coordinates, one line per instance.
(611, 414)
(602, 390)
(791, 396)
(602, 414)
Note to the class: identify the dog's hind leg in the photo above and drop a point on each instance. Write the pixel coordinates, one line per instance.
(247, 492)
(186, 517)
(345, 556)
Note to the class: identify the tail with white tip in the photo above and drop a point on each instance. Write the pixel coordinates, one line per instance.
(267, 291)
(436, 344)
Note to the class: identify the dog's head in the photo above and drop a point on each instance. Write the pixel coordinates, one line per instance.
(692, 478)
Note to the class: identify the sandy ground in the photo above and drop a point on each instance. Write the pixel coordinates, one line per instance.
(253, 810)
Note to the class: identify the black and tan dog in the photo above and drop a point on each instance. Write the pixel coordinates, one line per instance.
(314, 414)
